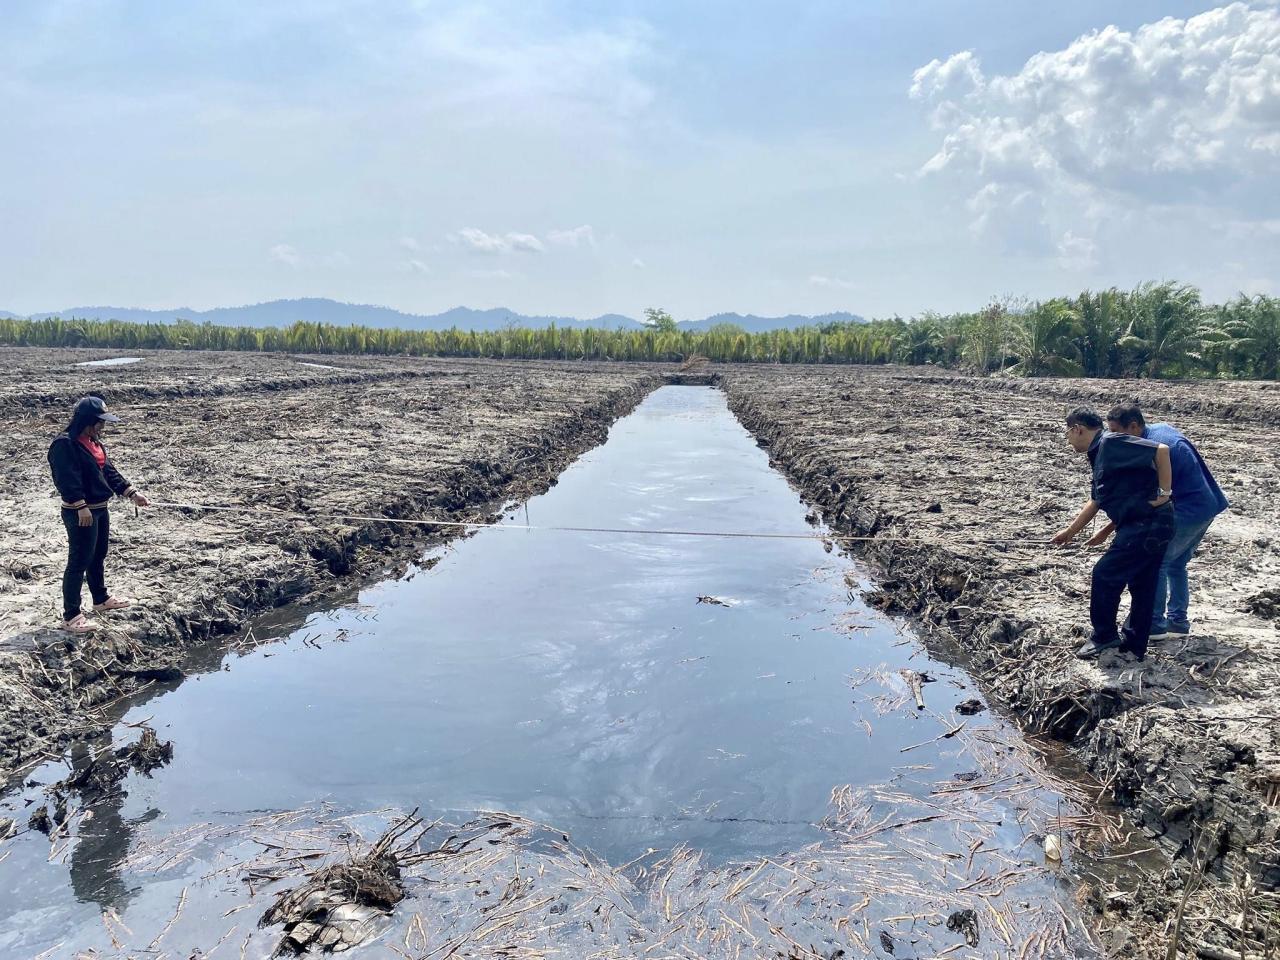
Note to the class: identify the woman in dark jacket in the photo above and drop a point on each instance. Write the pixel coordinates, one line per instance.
(86, 479)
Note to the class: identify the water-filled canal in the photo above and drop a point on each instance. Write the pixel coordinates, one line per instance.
(572, 678)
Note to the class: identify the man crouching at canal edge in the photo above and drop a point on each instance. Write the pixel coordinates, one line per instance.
(86, 480)
(1132, 484)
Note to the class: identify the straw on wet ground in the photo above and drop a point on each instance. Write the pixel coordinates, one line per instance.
(922, 863)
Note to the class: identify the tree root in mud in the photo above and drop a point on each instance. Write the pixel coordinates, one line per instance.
(338, 906)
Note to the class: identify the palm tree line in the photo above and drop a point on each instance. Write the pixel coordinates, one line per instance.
(1155, 330)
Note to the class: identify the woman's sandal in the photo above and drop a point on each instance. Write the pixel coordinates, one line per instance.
(112, 603)
(78, 624)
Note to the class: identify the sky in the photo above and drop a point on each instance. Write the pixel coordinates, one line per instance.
(576, 158)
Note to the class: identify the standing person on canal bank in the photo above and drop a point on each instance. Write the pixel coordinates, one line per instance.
(1132, 480)
(1197, 500)
(86, 480)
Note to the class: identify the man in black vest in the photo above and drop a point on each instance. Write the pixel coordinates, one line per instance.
(1132, 480)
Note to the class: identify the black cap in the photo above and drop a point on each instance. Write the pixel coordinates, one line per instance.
(89, 409)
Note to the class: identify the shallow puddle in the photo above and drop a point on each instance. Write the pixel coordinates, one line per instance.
(111, 362)
(576, 679)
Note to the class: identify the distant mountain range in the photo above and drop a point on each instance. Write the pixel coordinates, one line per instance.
(281, 313)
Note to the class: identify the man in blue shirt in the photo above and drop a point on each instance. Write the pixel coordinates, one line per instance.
(1197, 499)
(1131, 481)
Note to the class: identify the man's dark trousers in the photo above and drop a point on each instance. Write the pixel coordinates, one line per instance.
(1133, 560)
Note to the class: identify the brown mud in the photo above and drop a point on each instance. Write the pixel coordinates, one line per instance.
(963, 481)
(394, 437)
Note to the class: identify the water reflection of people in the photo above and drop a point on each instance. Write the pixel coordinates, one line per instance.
(102, 843)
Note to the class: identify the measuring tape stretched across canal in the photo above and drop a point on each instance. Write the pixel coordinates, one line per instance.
(629, 531)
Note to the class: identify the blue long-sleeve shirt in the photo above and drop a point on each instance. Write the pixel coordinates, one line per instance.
(1196, 495)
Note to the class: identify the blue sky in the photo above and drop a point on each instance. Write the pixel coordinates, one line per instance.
(580, 158)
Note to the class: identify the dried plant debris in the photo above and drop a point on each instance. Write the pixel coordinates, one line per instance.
(502, 885)
(339, 905)
(915, 682)
(39, 820)
(932, 870)
(1265, 604)
(146, 754)
(965, 922)
(714, 601)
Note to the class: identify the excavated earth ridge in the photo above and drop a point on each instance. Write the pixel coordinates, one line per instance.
(394, 437)
(1189, 740)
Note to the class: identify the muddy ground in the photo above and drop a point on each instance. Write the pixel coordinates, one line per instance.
(315, 435)
(954, 466)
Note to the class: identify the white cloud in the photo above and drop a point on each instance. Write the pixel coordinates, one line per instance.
(945, 82)
(286, 254)
(526, 242)
(836, 283)
(1011, 218)
(638, 263)
(1115, 108)
(410, 244)
(577, 236)
(1076, 253)
(1175, 113)
(414, 265)
(478, 241)
(492, 274)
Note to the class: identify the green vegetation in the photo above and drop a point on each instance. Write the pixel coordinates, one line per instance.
(660, 320)
(1156, 330)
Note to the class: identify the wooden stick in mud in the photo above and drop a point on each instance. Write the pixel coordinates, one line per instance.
(917, 686)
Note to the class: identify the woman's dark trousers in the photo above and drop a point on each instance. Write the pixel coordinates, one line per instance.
(1133, 560)
(86, 555)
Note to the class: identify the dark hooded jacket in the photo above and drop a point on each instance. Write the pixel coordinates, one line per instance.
(76, 474)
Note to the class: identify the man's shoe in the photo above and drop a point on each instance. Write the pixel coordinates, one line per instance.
(1091, 650)
(113, 603)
